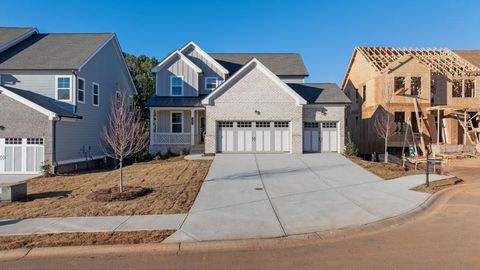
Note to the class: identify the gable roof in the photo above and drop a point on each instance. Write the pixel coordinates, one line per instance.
(255, 63)
(176, 53)
(38, 102)
(281, 64)
(204, 54)
(53, 51)
(10, 36)
(320, 93)
(472, 56)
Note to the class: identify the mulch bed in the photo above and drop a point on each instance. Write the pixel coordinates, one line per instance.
(83, 239)
(114, 194)
(438, 185)
(386, 171)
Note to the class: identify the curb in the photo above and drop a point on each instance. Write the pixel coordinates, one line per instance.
(429, 207)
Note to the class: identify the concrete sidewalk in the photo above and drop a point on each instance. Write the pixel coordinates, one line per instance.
(90, 224)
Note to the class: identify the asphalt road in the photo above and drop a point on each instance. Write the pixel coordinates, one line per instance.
(447, 238)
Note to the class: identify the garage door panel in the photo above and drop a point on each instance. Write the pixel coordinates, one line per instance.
(267, 140)
(315, 139)
(278, 140)
(241, 141)
(333, 141)
(259, 141)
(30, 158)
(21, 155)
(286, 140)
(39, 154)
(248, 140)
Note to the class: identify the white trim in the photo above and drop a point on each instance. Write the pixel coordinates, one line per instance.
(68, 161)
(216, 84)
(204, 54)
(171, 122)
(78, 90)
(177, 108)
(182, 57)
(70, 77)
(98, 94)
(18, 39)
(256, 64)
(51, 115)
(171, 85)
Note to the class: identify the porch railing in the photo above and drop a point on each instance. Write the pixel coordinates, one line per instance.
(171, 138)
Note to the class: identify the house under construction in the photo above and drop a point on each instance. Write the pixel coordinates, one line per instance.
(431, 96)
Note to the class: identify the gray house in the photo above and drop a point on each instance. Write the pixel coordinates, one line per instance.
(243, 103)
(55, 96)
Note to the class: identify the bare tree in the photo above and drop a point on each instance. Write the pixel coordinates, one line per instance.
(125, 134)
(384, 121)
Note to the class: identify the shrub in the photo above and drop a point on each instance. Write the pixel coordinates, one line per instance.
(350, 148)
(46, 168)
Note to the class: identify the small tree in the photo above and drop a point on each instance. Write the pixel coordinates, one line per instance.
(384, 127)
(125, 134)
(350, 148)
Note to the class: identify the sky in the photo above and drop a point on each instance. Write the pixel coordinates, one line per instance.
(325, 33)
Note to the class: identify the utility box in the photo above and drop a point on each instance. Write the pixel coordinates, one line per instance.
(10, 192)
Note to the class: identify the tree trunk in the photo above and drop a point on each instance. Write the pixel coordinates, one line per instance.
(121, 175)
(385, 156)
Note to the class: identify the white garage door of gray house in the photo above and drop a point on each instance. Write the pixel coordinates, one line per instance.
(320, 137)
(21, 155)
(253, 137)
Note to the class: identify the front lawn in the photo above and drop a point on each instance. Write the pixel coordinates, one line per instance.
(174, 182)
(386, 171)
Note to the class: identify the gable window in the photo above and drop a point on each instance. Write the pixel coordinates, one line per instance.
(176, 86)
(130, 104)
(81, 90)
(176, 122)
(95, 94)
(457, 88)
(211, 83)
(416, 86)
(399, 83)
(63, 88)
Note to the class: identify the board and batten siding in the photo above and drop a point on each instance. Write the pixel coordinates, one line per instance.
(208, 68)
(163, 121)
(177, 67)
(82, 138)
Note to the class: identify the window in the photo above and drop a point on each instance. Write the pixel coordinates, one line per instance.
(81, 90)
(95, 94)
(34, 140)
(177, 122)
(414, 121)
(310, 124)
(63, 88)
(399, 83)
(416, 86)
(329, 125)
(244, 124)
(281, 124)
(176, 86)
(225, 124)
(399, 119)
(469, 88)
(13, 140)
(262, 124)
(211, 83)
(457, 88)
(131, 105)
(364, 93)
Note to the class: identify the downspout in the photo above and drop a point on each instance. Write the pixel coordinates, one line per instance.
(74, 91)
(54, 152)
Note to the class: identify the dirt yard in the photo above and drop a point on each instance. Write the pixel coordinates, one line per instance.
(174, 182)
(385, 170)
(436, 186)
(83, 239)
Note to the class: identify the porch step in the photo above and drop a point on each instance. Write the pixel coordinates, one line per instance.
(197, 149)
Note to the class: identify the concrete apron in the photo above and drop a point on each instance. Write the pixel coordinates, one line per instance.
(273, 195)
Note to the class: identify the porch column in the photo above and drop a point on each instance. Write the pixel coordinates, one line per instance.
(439, 123)
(192, 129)
(151, 126)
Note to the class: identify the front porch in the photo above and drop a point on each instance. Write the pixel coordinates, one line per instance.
(177, 129)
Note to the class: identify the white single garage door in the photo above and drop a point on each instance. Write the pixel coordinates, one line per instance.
(21, 155)
(253, 137)
(329, 137)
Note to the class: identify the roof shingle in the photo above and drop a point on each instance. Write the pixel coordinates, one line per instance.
(320, 93)
(8, 34)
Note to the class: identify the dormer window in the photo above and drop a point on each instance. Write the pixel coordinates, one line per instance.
(211, 83)
(176, 86)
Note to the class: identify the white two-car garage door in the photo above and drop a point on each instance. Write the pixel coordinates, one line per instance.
(21, 155)
(253, 137)
(320, 137)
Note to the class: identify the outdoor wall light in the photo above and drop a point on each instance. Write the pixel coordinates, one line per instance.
(2, 128)
(257, 112)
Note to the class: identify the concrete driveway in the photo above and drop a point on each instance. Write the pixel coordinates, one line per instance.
(272, 195)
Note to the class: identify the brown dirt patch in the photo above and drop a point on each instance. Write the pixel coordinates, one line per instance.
(83, 239)
(438, 185)
(174, 182)
(386, 171)
(114, 194)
